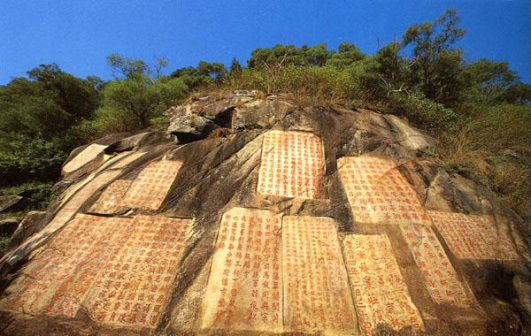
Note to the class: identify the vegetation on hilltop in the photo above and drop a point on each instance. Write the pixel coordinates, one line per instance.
(479, 111)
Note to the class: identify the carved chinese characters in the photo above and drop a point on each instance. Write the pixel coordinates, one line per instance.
(378, 193)
(440, 276)
(499, 241)
(151, 186)
(292, 165)
(119, 269)
(317, 296)
(136, 283)
(69, 208)
(112, 198)
(88, 154)
(380, 293)
(473, 237)
(244, 291)
(95, 250)
(78, 244)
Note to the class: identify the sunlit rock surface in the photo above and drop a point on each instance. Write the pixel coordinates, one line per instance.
(281, 218)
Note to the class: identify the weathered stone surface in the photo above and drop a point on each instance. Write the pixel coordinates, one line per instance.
(95, 274)
(88, 154)
(292, 165)
(119, 269)
(317, 296)
(441, 279)
(244, 291)
(473, 237)
(30, 225)
(67, 211)
(380, 293)
(136, 282)
(189, 127)
(378, 193)
(112, 199)
(149, 190)
(10, 202)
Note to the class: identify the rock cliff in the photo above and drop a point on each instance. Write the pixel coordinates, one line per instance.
(255, 215)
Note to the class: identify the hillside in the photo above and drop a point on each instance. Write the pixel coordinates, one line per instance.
(254, 214)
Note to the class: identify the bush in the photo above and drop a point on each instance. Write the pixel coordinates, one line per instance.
(24, 158)
(424, 112)
(324, 84)
(479, 146)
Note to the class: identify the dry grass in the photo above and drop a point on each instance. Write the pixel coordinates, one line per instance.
(494, 148)
(308, 86)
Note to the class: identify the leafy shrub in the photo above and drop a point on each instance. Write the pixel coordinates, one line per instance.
(424, 112)
(24, 158)
(320, 83)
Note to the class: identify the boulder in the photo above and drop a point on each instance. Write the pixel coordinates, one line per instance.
(289, 219)
(187, 127)
(31, 224)
(11, 203)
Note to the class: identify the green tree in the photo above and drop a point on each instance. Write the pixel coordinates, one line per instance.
(49, 102)
(346, 55)
(437, 64)
(491, 79)
(517, 93)
(235, 66)
(289, 55)
(138, 94)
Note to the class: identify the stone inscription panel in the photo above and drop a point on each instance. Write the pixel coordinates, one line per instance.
(378, 193)
(473, 237)
(317, 296)
(380, 293)
(462, 235)
(499, 241)
(441, 278)
(85, 156)
(112, 232)
(137, 280)
(77, 245)
(292, 165)
(152, 185)
(112, 198)
(244, 291)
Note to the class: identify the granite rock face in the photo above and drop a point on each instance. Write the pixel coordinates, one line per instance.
(279, 219)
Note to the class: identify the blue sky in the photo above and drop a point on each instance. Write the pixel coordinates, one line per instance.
(79, 34)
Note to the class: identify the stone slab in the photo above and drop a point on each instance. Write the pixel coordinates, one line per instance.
(317, 296)
(380, 292)
(85, 156)
(111, 200)
(378, 193)
(150, 188)
(498, 240)
(78, 244)
(292, 165)
(462, 235)
(442, 281)
(100, 238)
(473, 237)
(134, 286)
(244, 291)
